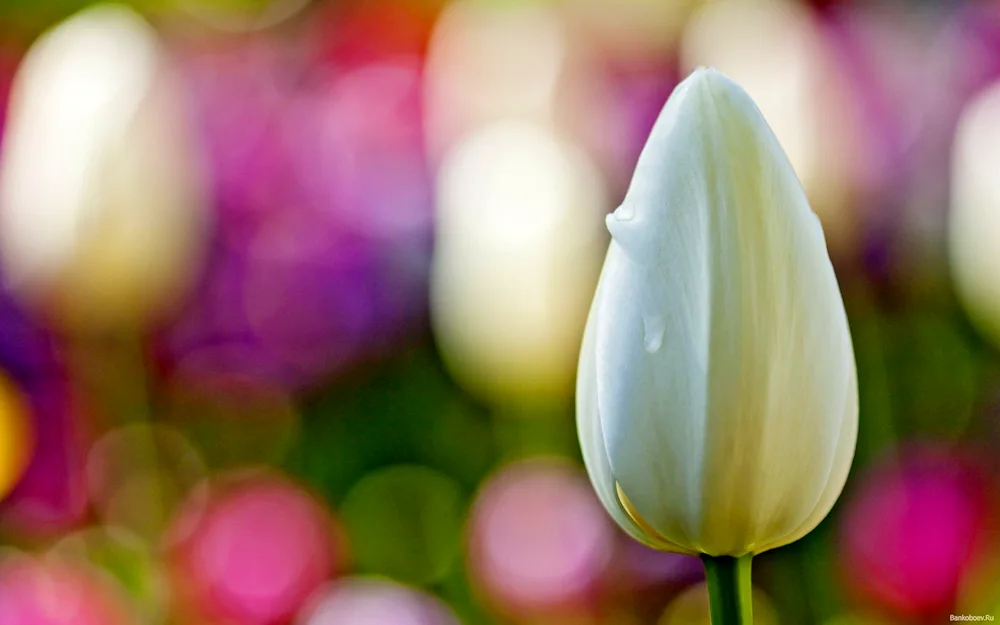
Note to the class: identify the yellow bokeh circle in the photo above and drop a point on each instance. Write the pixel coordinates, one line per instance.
(16, 436)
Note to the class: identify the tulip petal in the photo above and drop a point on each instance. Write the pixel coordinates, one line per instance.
(836, 479)
(783, 406)
(653, 336)
(595, 455)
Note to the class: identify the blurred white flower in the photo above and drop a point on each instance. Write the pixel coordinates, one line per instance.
(101, 197)
(517, 254)
(974, 230)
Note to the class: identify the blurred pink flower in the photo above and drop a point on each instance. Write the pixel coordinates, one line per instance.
(258, 550)
(539, 539)
(912, 528)
(35, 592)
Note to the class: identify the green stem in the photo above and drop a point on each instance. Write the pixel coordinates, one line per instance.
(728, 581)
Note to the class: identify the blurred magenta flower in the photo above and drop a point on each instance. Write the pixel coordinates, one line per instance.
(912, 527)
(374, 601)
(324, 208)
(51, 496)
(539, 540)
(256, 552)
(49, 592)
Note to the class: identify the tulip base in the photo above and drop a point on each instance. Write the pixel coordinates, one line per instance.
(729, 589)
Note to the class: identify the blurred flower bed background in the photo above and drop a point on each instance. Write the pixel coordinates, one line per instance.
(293, 294)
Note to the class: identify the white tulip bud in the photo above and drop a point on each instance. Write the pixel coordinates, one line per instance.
(717, 392)
(101, 201)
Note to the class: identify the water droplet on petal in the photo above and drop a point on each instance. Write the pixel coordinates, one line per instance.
(653, 328)
(625, 212)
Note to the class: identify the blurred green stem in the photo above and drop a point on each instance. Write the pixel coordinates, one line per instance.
(729, 594)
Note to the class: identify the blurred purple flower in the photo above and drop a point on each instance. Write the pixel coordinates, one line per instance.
(29, 353)
(913, 70)
(324, 208)
(884, 56)
(967, 59)
(912, 528)
(641, 567)
(868, 47)
(615, 130)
